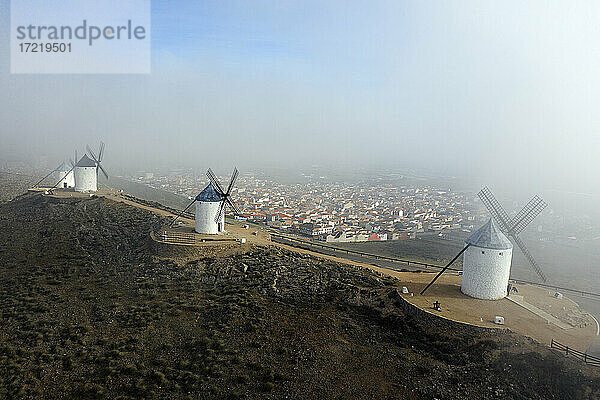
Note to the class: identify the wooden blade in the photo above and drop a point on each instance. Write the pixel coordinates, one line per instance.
(234, 176)
(91, 153)
(232, 205)
(221, 211)
(103, 171)
(495, 209)
(101, 152)
(529, 258)
(211, 175)
(535, 206)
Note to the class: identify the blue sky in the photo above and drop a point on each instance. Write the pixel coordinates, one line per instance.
(500, 91)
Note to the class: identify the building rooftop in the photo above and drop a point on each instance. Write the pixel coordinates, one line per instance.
(209, 194)
(489, 236)
(85, 161)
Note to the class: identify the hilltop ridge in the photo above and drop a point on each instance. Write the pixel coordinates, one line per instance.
(92, 308)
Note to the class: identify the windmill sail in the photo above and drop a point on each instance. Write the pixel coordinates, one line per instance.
(211, 203)
(98, 159)
(512, 227)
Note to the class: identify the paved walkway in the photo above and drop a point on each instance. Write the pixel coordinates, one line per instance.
(530, 307)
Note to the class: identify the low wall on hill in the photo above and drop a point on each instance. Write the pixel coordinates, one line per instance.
(421, 314)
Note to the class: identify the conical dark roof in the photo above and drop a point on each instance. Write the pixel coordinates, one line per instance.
(209, 194)
(85, 161)
(489, 236)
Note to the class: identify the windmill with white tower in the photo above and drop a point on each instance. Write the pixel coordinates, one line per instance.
(210, 205)
(63, 175)
(488, 251)
(86, 170)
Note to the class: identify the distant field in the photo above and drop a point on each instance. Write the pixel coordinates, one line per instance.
(431, 250)
(13, 184)
(146, 192)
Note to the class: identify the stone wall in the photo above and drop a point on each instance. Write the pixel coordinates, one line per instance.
(421, 314)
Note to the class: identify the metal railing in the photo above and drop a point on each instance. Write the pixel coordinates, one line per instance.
(570, 352)
(191, 238)
(360, 253)
(178, 237)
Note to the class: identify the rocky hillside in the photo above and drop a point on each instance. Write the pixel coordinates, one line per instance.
(91, 308)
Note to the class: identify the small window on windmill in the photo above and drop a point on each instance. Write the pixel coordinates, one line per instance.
(500, 253)
(482, 252)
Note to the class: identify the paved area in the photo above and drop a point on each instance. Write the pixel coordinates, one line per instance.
(457, 306)
(530, 307)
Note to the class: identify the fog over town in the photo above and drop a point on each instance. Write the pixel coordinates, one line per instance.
(497, 93)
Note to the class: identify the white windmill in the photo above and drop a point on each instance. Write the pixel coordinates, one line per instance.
(86, 171)
(486, 263)
(210, 205)
(65, 176)
(488, 251)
